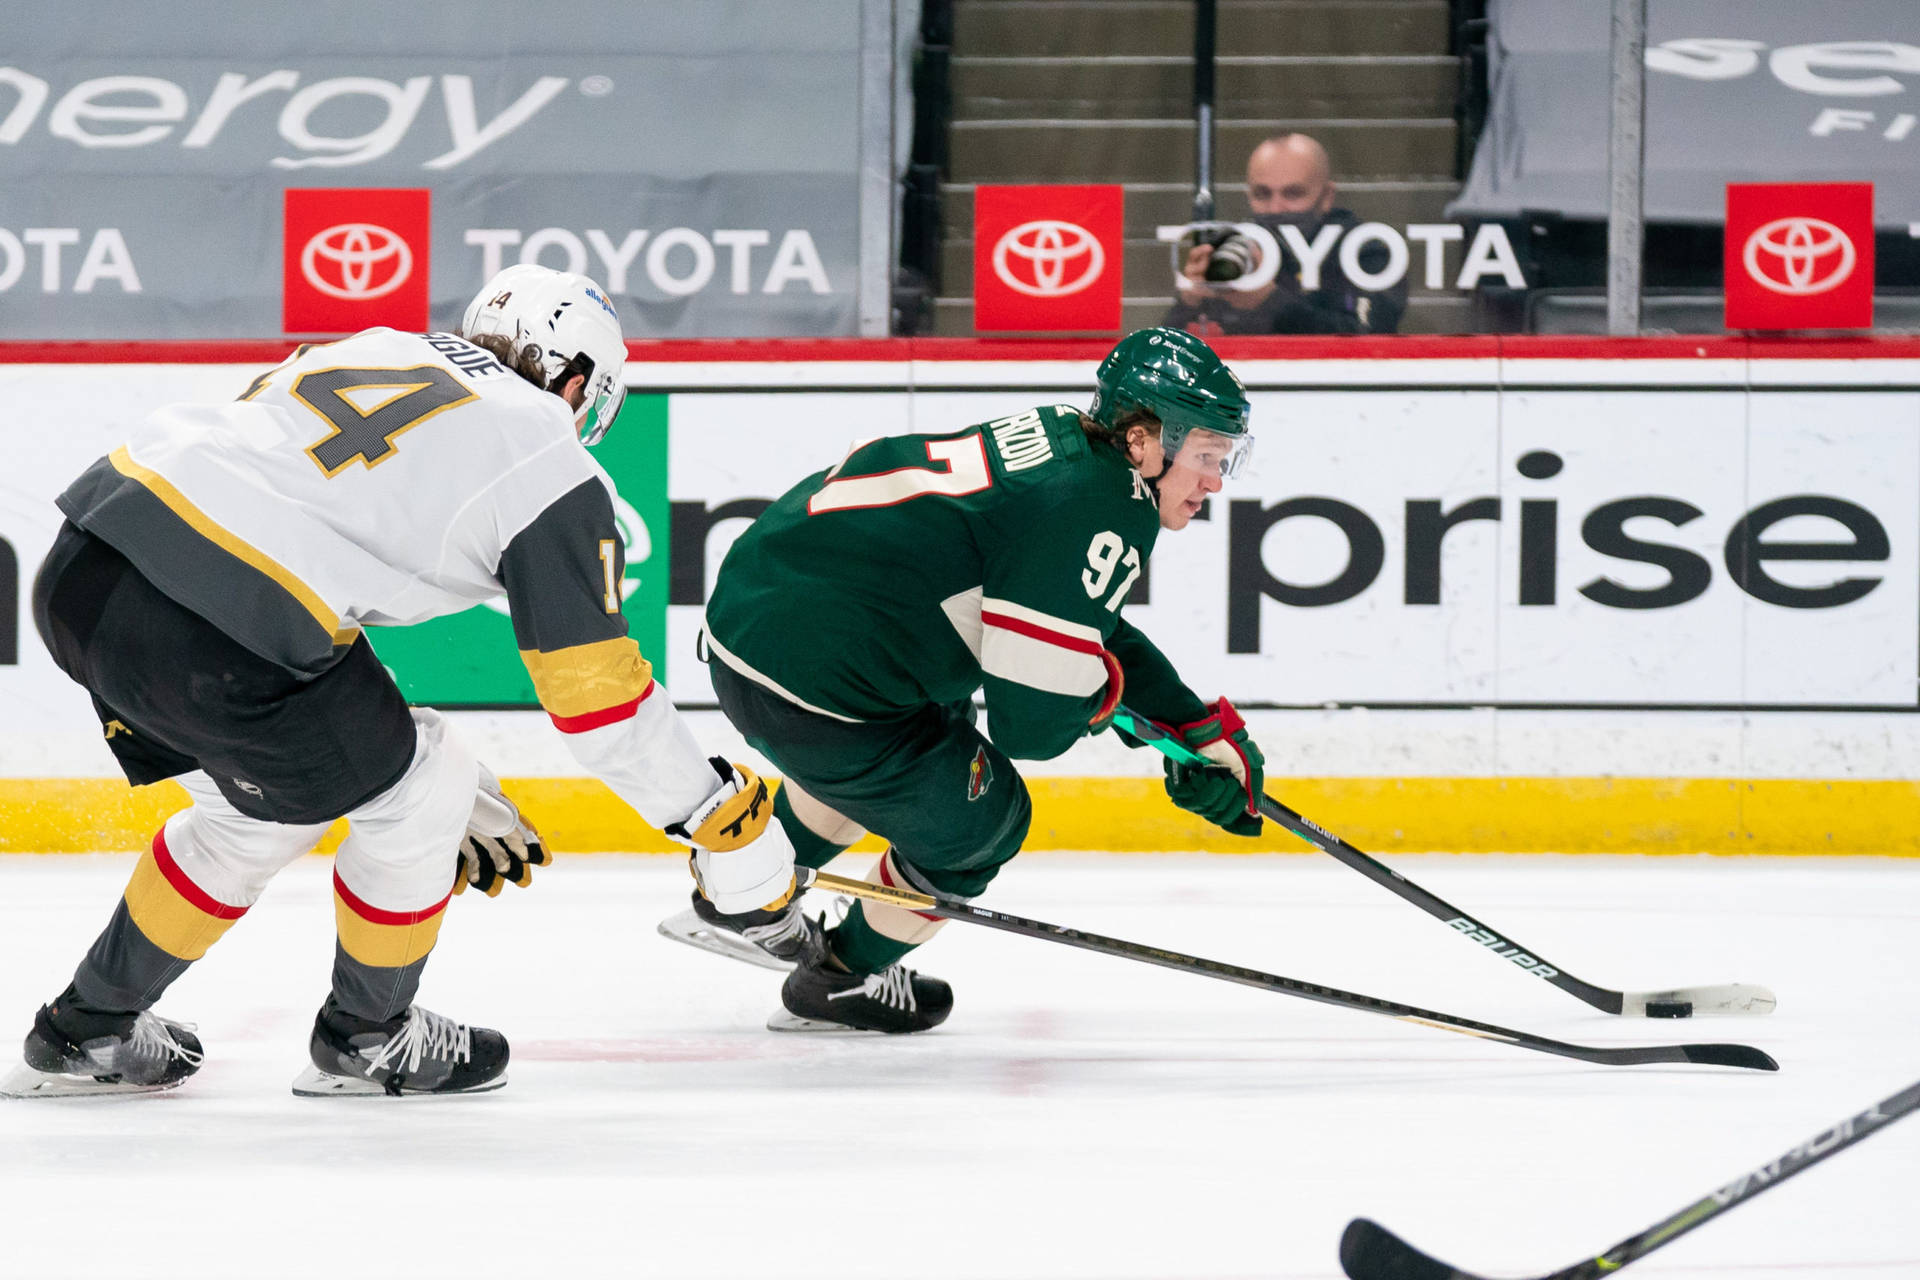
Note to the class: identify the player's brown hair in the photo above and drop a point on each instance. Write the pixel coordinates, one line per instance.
(524, 360)
(1116, 435)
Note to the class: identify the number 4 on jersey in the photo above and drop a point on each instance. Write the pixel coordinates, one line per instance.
(367, 408)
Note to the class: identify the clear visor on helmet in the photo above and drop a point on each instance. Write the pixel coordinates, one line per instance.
(1208, 452)
(604, 396)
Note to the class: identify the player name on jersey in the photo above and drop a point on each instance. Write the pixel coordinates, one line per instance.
(1021, 440)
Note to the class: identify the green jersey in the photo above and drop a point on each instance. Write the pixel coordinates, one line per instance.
(922, 569)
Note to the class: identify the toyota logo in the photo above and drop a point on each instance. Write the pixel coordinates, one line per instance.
(1799, 256)
(356, 261)
(1034, 258)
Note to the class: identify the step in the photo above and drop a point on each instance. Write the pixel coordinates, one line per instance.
(1435, 313)
(1147, 88)
(1163, 150)
(1148, 266)
(1095, 28)
(1155, 204)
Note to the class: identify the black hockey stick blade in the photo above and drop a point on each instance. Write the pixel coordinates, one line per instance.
(1682, 1002)
(1707, 1055)
(1368, 1251)
(1730, 1055)
(1727, 1055)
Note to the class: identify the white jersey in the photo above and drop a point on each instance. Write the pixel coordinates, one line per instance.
(385, 479)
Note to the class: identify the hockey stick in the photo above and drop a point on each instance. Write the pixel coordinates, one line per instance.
(1204, 22)
(1682, 1002)
(1368, 1251)
(1718, 1055)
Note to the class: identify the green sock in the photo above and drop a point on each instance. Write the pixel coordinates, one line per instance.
(860, 947)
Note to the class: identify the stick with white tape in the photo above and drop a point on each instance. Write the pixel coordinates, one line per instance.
(1717, 1055)
(1681, 1002)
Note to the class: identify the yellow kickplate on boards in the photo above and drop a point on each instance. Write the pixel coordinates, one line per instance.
(1133, 815)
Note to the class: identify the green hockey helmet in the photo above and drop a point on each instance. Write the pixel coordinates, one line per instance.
(1178, 379)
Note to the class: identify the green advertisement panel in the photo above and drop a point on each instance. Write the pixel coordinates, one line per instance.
(470, 659)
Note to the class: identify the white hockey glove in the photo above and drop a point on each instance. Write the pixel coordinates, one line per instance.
(742, 860)
(500, 845)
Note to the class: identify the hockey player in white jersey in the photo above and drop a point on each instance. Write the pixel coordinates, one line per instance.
(209, 589)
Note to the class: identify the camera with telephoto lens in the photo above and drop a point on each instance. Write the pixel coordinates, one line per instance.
(1234, 252)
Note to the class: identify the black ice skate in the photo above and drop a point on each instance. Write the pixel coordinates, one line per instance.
(73, 1051)
(820, 995)
(415, 1053)
(770, 939)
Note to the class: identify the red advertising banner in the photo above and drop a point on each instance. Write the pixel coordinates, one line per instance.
(1799, 255)
(1046, 259)
(355, 258)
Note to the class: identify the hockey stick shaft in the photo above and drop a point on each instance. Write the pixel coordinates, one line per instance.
(1754, 1181)
(1525, 958)
(1729, 1055)
(1203, 67)
(1370, 1252)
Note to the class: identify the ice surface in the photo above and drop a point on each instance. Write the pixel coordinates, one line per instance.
(1079, 1116)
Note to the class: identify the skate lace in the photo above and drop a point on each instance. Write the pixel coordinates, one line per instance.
(152, 1038)
(427, 1034)
(892, 986)
(787, 928)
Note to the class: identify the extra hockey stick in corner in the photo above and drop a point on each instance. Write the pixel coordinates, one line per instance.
(1682, 1002)
(1719, 1055)
(1368, 1251)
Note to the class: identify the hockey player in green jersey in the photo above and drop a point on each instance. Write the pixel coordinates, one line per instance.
(852, 625)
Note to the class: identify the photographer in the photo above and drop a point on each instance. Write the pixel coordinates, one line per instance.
(1289, 183)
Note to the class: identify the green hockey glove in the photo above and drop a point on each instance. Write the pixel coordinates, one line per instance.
(1227, 791)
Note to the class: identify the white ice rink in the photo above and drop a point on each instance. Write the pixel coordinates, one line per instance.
(1078, 1116)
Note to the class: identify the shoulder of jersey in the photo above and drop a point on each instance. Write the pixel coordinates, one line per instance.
(1046, 448)
(1025, 443)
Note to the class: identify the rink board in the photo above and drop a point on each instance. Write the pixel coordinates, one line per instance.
(1713, 542)
(1131, 815)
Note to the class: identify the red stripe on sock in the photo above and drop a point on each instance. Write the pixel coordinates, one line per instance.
(186, 888)
(374, 915)
(886, 879)
(606, 715)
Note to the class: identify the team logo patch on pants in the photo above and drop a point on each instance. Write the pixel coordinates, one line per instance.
(979, 774)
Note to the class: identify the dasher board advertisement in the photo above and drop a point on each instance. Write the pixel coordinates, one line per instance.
(1608, 542)
(1571, 547)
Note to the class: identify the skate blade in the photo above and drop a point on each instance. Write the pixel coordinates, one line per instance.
(25, 1082)
(781, 1020)
(689, 928)
(315, 1083)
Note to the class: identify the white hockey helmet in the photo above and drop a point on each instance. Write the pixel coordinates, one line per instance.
(575, 327)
